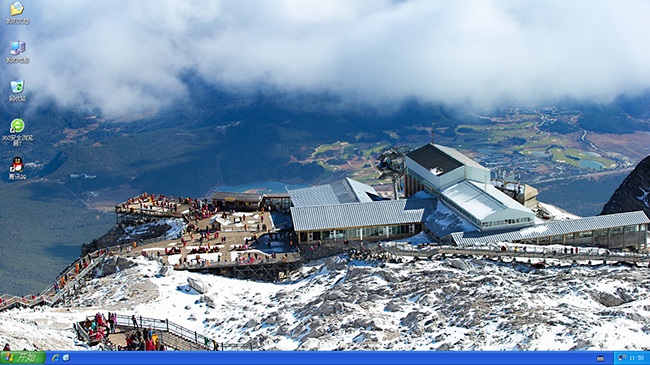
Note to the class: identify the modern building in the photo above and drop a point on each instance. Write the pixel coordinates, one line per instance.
(277, 201)
(451, 197)
(348, 209)
(464, 186)
(241, 202)
(616, 231)
(361, 221)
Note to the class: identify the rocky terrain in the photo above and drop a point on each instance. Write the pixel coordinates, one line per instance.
(345, 304)
(632, 194)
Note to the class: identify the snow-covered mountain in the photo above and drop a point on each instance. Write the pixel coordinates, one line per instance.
(632, 194)
(342, 303)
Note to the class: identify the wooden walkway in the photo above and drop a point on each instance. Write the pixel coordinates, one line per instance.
(50, 296)
(271, 269)
(169, 333)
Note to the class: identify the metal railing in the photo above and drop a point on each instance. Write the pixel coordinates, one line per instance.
(175, 335)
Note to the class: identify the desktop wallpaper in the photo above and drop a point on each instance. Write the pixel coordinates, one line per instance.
(150, 149)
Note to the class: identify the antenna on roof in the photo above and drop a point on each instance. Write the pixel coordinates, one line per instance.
(433, 132)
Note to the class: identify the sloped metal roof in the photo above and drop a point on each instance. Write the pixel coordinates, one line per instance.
(481, 200)
(474, 200)
(367, 214)
(345, 191)
(556, 228)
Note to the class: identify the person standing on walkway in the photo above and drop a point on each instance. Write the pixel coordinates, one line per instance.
(135, 321)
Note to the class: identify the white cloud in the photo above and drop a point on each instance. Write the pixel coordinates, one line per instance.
(131, 56)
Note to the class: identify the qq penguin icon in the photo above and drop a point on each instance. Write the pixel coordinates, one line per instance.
(16, 165)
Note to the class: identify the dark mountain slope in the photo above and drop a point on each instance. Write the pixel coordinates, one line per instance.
(632, 194)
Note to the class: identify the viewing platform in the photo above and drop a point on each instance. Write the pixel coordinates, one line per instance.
(164, 332)
(146, 206)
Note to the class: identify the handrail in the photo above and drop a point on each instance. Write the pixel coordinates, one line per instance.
(82, 332)
(83, 273)
(165, 325)
(292, 257)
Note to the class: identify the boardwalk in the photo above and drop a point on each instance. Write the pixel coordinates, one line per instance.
(73, 277)
(169, 333)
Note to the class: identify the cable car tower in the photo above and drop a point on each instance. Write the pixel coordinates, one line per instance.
(391, 165)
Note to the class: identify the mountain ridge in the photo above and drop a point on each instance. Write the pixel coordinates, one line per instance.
(632, 194)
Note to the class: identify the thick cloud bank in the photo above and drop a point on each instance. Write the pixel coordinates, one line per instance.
(132, 56)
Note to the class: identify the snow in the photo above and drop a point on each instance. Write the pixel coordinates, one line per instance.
(173, 259)
(444, 221)
(177, 227)
(422, 195)
(533, 230)
(557, 213)
(644, 197)
(418, 239)
(337, 303)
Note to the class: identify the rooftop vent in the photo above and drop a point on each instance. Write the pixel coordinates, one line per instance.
(437, 171)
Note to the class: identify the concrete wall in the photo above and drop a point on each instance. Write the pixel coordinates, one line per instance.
(480, 175)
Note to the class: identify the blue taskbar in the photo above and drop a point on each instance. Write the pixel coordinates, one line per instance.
(328, 357)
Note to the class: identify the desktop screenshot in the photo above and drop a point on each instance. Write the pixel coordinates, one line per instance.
(316, 182)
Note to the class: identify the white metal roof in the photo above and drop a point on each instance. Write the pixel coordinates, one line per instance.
(340, 192)
(481, 200)
(367, 214)
(474, 200)
(501, 197)
(556, 228)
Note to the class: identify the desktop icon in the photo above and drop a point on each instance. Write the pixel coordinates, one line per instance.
(16, 8)
(17, 86)
(17, 126)
(16, 165)
(17, 48)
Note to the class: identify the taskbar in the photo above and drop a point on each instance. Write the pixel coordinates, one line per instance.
(328, 357)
